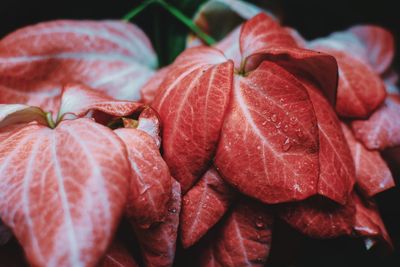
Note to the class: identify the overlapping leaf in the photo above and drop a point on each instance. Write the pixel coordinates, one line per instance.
(159, 241)
(244, 239)
(336, 166)
(382, 129)
(192, 102)
(36, 61)
(372, 173)
(269, 142)
(203, 206)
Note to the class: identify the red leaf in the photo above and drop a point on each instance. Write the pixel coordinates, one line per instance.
(150, 186)
(360, 90)
(118, 256)
(150, 89)
(262, 38)
(78, 99)
(192, 102)
(320, 218)
(336, 166)
(382, 129)
(260, 33)
(372, 174)
(368, 223)
(112, 56)
(268, 147)
(60, 193)
(159, 241)
(203, 206)
(244, 239)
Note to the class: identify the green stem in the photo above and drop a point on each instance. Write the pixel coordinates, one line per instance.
(50, 121)
(137, 10)
(188, 22)
(177, 14)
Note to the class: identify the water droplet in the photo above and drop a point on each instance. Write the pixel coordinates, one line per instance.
(204, 206)
(173, 210)
(278, 125)
(299, 133)
(264, 123)
(274, 117)
(282, 100)
(293, 120)
(286, 145)
(258, 147)
(285, 128)
(259, 222)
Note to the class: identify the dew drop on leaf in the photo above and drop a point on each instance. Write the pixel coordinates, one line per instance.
(274, 117)
(286, 145)
(259, 222)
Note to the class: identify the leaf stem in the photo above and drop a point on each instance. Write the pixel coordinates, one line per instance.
(137, 10)
(187, 21)
(177, 14)
(50, 121)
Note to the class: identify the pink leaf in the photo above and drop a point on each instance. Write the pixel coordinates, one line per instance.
(150, 187)
(268, 147)
(360, 90)
(192, 102)
(67, 188)
(382, 129)
(244, 239)
(372, 174)
(203, 206)
(369, 43)
(79, 99)
(336, 166)
(114, 57)
(150, 89)
(159, 241)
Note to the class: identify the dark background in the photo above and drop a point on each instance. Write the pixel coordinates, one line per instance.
(313, 19)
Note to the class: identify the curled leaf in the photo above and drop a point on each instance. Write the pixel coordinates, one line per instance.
(203, 206)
